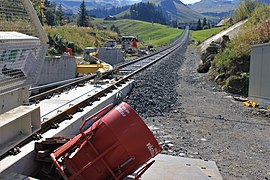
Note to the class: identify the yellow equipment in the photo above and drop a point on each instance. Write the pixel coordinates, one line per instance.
(85, 67)
(95, 54)
(251, 104)
(88, 68)
(93, 68)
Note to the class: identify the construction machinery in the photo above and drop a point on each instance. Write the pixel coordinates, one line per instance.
(92, 64)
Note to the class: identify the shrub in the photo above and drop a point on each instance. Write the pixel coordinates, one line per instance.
(245, 10)
(238, 84)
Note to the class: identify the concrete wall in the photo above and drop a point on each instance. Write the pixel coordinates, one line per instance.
(57, 69)
(259, 81)
(111, 55)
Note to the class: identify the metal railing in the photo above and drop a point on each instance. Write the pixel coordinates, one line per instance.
(23, 44)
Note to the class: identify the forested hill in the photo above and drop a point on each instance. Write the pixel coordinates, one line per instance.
(145, 12)
(176, 10)
(103, 12)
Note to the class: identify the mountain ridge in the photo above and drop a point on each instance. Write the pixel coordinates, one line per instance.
(218, 8)
(72, 6)
(176, 9)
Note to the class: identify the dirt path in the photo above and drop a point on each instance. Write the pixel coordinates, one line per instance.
(191, 117)
(207, 123)
(236, 140)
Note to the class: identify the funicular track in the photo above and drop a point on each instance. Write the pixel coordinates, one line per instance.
(133, 68)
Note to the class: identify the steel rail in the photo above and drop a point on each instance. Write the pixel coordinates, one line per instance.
(159, 58)
(156, 57)
(68, 113)
(150, 55)
(50, 92)
(47, 94)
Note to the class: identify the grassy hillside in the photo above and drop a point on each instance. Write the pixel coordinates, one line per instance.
(61, 37)
(202, 35)
(232, 64)
(156, 34)
(79, 37)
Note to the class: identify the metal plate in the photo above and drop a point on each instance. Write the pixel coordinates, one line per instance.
(173, 167)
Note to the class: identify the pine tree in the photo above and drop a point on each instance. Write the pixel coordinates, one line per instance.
(199, 26)
(60, 15)
(83, 19)
(209, 24)
(50, 13)
(204, 24)
(174, 23)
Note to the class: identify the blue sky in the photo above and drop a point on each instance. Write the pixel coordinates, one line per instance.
(189, 1)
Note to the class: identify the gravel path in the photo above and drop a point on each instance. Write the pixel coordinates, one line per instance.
(191, 117)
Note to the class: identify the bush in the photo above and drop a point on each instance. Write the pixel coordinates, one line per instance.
(245, 10)
(52, 51)
(237, 84)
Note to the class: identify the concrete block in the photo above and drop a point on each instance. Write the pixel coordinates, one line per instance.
(18, 124)
(13, 99)
(111, 56)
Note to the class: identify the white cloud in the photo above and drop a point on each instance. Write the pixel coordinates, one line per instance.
(190, 1)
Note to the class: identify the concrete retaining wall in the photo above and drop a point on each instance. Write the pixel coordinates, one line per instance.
(111, 56)
(57, 69)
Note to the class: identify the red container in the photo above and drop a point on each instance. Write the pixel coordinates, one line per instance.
(113, 147)
(69, 51)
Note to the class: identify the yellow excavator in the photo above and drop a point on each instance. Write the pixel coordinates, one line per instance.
(91, 63)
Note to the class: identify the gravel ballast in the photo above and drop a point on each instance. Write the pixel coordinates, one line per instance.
(191, 117)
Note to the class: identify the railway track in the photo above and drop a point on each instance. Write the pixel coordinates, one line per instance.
(121, 70)
(127, 71)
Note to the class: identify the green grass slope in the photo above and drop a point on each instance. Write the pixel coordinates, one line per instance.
(156, 34)
(202, 35)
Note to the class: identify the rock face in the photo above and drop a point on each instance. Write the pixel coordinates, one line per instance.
(209, 55)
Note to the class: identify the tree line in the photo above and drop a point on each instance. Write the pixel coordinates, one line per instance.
(49, 13)
(53, 15)
(203, 25)
(103, 12)
(146, 12)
